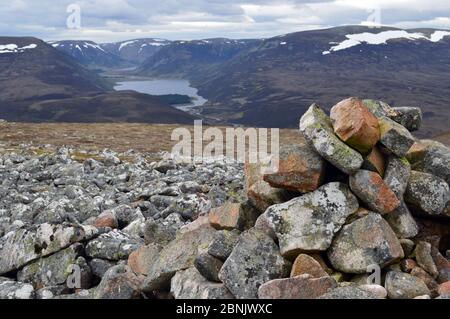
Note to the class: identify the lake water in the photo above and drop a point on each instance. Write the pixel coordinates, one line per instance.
(163, 87)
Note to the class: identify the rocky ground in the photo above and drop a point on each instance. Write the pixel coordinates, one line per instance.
(361, 198)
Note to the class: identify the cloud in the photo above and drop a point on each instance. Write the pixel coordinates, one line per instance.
(111, 20)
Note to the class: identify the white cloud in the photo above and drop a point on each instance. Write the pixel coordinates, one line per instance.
(109, 20)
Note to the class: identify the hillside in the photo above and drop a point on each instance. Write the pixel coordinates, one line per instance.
(189, 58)
(124, 106)
(34, 70)
(38, 83)
(260, 82)
(135, 51)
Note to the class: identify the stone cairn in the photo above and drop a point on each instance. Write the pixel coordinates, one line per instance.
(359, 211)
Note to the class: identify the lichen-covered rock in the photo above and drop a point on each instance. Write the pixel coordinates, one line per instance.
(299, 287)
(378, 291)
(190, 284)
(424, 258)
(402, 222)
(10, 289)
(119, 282)
(409, 117)
(177, 255)
(51, 270)
(404, 286)
(395, 137)
(99, 267)
(372, 190)
(431, 157)
(348, 292)
(355, 125)
(317, 130)
(443, 266)
(23, 246)
(254, 261)
(208, 266)
(305, 264)
(300, 169)
(365, 242)
(309, 222)
(380, 108)
(397, 175)
(158, 233)
(50, 292)
(375, 161)
(79, 295)
(428, 280)
(223, 244)
(427, 193)
(407, 246)
(114, 245)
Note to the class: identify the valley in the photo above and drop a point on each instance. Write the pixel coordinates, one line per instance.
(249, 82)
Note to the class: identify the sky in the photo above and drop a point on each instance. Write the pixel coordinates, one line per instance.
(118, 20)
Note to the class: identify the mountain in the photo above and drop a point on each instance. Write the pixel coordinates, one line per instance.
(272, 84)
(184, 58)
(135, 51)
(89, 53)
(123, 106)
(31, 69)
(38, 83)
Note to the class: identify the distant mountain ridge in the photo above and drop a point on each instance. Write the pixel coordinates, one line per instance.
(88, 53)
(39, 83)
(40, 72)
(267, 82)
(273, 81)
(182, 58)
(137, 50)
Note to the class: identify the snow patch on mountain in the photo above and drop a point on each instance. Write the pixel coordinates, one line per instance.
(124, 44)
(14, 48)
(78, 46)
(382, 38)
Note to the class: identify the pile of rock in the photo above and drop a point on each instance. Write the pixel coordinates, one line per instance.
(67, 227)
(359, 211)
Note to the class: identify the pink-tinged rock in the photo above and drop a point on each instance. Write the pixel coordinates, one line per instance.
(106, 219)
(355, 124)
(372, 190)
(444, 288)
(305, 264)
(375, 161)
(300, 287)
(300, 169)
(139, 260)
(260, 194)
(229, 216)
